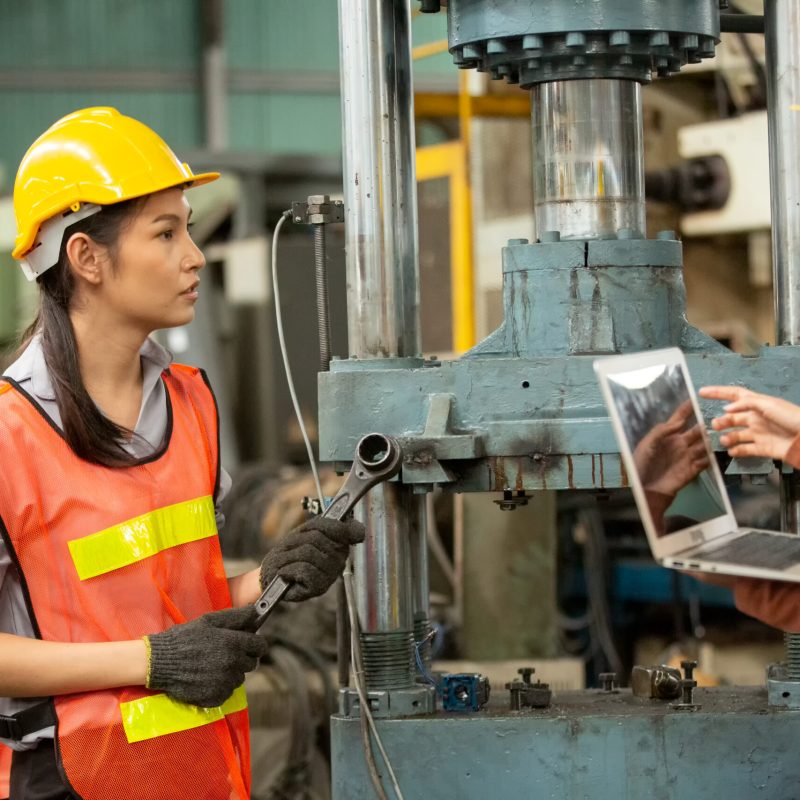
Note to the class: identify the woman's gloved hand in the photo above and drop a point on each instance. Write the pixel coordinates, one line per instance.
(203, 661)
(311, 556)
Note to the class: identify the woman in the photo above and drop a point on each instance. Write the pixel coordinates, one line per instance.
(114, 608)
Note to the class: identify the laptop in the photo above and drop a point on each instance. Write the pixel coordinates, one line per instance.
(674, 475)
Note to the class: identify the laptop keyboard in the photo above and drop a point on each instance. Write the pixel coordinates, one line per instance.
(756, 549)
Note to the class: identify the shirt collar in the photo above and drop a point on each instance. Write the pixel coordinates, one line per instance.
(155, 359)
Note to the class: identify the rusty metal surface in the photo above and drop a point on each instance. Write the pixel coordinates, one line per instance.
(530, 423)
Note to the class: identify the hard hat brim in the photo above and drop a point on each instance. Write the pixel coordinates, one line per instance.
(23, 245)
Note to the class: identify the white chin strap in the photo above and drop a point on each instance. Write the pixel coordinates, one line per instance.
(44, 253)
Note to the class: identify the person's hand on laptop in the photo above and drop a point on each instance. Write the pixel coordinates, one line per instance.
(756, 424)
(769, 427)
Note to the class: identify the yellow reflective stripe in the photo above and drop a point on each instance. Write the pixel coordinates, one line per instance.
(160, 714)
(143, 536)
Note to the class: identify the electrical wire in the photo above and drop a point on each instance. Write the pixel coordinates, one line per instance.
(436, 544)
(426, 676)
(285, 356)
(367, 721)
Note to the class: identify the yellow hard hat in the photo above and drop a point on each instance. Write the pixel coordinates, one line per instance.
(96, 156)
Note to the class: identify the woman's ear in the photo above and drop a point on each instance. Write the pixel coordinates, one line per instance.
(86, 258)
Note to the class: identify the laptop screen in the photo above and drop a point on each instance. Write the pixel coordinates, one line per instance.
(671, 453)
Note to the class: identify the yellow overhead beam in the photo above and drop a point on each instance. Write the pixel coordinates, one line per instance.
(429, 105)
(429, 49)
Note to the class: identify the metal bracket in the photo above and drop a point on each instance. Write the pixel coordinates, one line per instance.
(422, 455)
(319, 209)
(782, 692)
(391, 702)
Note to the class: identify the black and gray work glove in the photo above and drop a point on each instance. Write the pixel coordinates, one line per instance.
(203, 661)
(312, 556)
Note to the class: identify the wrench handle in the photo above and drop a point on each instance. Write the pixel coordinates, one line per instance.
(339, 508)
(270, 597)
(361, 478)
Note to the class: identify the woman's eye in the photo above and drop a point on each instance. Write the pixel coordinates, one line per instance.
(167, 235)
(190, 228)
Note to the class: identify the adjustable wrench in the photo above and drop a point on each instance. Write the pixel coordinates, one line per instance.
(377, 459)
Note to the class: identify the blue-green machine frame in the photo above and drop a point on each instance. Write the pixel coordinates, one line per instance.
(522, 412)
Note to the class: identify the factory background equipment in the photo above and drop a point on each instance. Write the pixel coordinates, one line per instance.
(521, 412)
(241, 90)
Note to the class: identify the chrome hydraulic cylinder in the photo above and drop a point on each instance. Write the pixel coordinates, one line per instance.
(588, 158)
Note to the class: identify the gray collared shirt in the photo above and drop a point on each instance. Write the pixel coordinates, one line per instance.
(30, 372)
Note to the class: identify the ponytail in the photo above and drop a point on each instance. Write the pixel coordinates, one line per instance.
(89, 432)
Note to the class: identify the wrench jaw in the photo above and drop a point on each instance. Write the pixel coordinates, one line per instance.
(377, 452)
(377, 459)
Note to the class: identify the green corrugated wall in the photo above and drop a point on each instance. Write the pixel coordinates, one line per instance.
(59, 55)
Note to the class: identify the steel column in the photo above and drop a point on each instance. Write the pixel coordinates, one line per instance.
(383, 300)
(782, 24)
(782, 29)
(782, 20)
(379, 178)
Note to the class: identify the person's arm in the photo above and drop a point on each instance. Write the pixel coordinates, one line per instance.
(33, 668)
(245, 588)
(776, 603)
(199, 662)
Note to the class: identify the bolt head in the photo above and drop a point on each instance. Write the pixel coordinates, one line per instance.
(318, 199)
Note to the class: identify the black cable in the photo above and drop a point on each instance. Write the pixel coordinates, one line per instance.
(759, 98)
(595, 568)
(722, 95)
(316, 661)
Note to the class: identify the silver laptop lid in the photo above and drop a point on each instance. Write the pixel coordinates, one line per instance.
(672, 469)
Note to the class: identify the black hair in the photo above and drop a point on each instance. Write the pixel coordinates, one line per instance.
(90, 433)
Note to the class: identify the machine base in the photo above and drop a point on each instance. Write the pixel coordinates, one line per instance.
(589, 745)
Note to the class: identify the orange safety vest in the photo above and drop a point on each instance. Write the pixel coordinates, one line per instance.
(112, 554)
(5, 770)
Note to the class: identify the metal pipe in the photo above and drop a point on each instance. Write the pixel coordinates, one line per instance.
(215, 80)
(379, 178)
(782, 31)
(387, 605)
(588, 158)
(382, 298)
(383, 573)
(782, 22)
